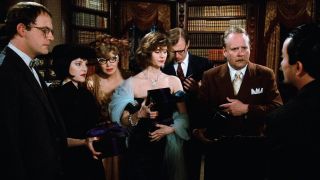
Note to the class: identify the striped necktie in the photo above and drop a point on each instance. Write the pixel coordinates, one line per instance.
(180, 72)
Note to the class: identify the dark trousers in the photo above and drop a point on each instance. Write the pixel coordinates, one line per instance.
(193, 150)
(236, 158)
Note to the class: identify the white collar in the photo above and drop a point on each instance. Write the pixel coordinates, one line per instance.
(233, 71)
(23, 55)
(185, 61)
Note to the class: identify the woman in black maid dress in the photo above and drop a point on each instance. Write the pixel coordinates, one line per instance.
(79, 111)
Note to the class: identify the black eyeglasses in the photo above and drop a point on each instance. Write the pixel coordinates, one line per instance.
(180, 52)
(44, 30)
(105, 60)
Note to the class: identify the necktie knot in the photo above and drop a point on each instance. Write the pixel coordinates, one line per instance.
(33, 63)
(238, 75)
(237, 82)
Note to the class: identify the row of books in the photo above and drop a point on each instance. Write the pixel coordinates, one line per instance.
(209, 0)
(99, 5)
(214, 11)
(216, 54)
(211, 54)
(206, 39)
(85, 37)
(89, 20)
(214, 25)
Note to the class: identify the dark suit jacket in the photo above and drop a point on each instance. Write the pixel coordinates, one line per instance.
(258, 89)
(32, 131)
(293, 131)
(197, 65)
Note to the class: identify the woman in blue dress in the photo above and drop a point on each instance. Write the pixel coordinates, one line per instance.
(150, 104)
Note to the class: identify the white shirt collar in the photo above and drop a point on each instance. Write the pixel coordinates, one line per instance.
(233, 71)
(23, 55)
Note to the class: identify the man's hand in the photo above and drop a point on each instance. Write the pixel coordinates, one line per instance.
(200, 135)
(190, 85)
(235, 107)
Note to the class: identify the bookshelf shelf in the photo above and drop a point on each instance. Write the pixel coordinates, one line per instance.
(217, 17)
(88, 28)
(206, 22)
(205, 32)
(213, 2)
(92, 11)
(205, 47)
(88, 19)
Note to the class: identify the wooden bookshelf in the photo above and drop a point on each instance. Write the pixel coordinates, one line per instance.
(206, 21)
(88, 19)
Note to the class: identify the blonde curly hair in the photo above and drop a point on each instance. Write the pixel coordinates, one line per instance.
(105, 43)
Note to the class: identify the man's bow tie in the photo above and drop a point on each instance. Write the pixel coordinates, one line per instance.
(34, 62)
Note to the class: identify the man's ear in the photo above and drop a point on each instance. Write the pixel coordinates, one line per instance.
(300, 69)
(21, 29)
(188, 44)
(224, 52)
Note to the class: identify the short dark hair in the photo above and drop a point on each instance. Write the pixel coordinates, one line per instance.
(64, 54)
(175, 33)
(149, 43)
(304, 46)
(25, 13)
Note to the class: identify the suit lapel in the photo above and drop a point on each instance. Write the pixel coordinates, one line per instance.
(29, 77)
(226, 80)
(190, 66)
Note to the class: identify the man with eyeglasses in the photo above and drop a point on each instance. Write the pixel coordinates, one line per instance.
(32, 130)
(189, 68)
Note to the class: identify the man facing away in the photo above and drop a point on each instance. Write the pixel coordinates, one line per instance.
(32, 130)
(293, 129)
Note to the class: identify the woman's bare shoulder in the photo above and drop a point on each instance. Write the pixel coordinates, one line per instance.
(138, 78)
(174, 82)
